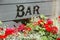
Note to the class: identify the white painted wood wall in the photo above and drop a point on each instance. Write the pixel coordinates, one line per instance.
(9, 12)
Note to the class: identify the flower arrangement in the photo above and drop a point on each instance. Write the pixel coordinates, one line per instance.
(41, 29)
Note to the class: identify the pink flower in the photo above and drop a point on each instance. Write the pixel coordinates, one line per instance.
(49, 21)
(21, 27)
(35, 23)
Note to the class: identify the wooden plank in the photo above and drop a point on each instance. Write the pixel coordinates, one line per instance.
(19, 1)
(9, 12)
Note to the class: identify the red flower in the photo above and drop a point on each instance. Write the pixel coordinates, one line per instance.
(9, 31)
(59, 17)
(1, 28)
(49, 29)
(39, 21)
(21, 27)
(54, 29)
(49, 21)
(58, 39)
(3, 36)
(27, 29)
(46, 25)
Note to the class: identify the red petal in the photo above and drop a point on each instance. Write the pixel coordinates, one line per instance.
(3, 36)
(39, 21)
(9, 31)
(58, 39)
(54, 29)
(49, 29)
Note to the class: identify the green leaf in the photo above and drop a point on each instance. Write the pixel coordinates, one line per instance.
(44, 38)
(50, 38)
(42, 16)
(41, 33)
(37, 27)
(1, 23)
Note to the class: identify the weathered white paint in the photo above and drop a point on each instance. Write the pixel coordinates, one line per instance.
(18, 1)
(57, 13)
(8, 12)
(57, 8)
